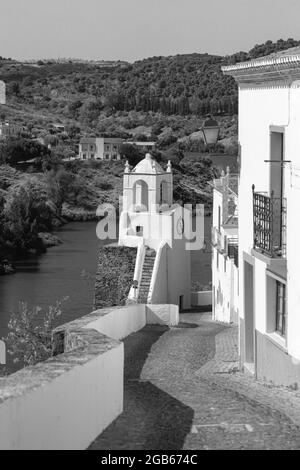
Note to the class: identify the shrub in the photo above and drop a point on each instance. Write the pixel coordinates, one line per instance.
(30, 331)
(114, 276)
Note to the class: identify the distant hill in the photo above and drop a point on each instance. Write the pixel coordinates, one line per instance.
(188, 84)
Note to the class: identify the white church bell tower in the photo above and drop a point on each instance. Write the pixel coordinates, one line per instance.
(147, 187)
(150, 222)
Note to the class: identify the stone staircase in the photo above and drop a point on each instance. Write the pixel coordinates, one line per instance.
(146, 275)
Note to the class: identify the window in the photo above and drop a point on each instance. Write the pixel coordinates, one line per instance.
(84, 156)
(139, 230)
(92, 155)
(280, 308)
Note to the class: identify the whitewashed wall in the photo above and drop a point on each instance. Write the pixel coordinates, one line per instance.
(67, 401)
(259, 108)
(66, 410)
(224, 272)
(120, 322)
(171, 276)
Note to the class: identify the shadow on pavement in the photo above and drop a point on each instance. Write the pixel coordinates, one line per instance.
(186, 325)
(152, 419)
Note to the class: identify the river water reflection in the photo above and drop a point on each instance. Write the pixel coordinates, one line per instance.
(44, 279)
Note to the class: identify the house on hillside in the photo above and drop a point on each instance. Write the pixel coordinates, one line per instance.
(269, 222)
(9, 130)
(225, 248)
(100, 148)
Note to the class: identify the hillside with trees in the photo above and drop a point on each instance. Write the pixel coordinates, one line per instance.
(160, 98)
(175, 85)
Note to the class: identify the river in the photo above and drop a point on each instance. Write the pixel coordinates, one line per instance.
(44, 279)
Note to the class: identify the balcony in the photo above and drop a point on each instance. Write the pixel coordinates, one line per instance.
(269, 225)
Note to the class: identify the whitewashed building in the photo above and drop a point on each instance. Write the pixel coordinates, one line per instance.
(7, 129)
(160, 231)
(269, 221)
(225, 249)
(100, 148)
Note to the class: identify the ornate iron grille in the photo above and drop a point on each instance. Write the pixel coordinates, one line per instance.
(269, 224)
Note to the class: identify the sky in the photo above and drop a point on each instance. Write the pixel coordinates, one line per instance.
(135, 29)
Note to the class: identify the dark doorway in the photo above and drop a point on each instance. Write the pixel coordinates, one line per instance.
(249, 314)
(181, 303)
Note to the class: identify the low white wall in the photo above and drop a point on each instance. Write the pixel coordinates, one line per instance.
(158, 290)
(162, 314)
(120, 322)
(65, 411)
(201, 298)
(179, 274)
(171, 276)
(68, 400)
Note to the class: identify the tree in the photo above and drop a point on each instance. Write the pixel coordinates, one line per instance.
(114, 276)
(59, 185)
(72, 130)
(15, 150)
(90, 110)
(30, 332)
(140, 138)
(131, 153)
(14, 88)
(27, 212)
(73, 108)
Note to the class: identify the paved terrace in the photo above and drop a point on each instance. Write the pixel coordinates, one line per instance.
(183, 390)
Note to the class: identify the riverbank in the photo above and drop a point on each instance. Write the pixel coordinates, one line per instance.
(9, 257)
(65, 270)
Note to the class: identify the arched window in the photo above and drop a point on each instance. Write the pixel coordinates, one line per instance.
(140, 191)
(163, 199)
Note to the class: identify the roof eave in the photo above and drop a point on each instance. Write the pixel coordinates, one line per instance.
(265, 70)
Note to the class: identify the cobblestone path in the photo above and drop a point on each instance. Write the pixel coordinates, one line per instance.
(183, 391)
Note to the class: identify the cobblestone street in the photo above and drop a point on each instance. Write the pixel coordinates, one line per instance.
(183, 390)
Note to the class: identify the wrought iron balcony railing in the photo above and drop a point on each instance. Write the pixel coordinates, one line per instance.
(269, 224)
